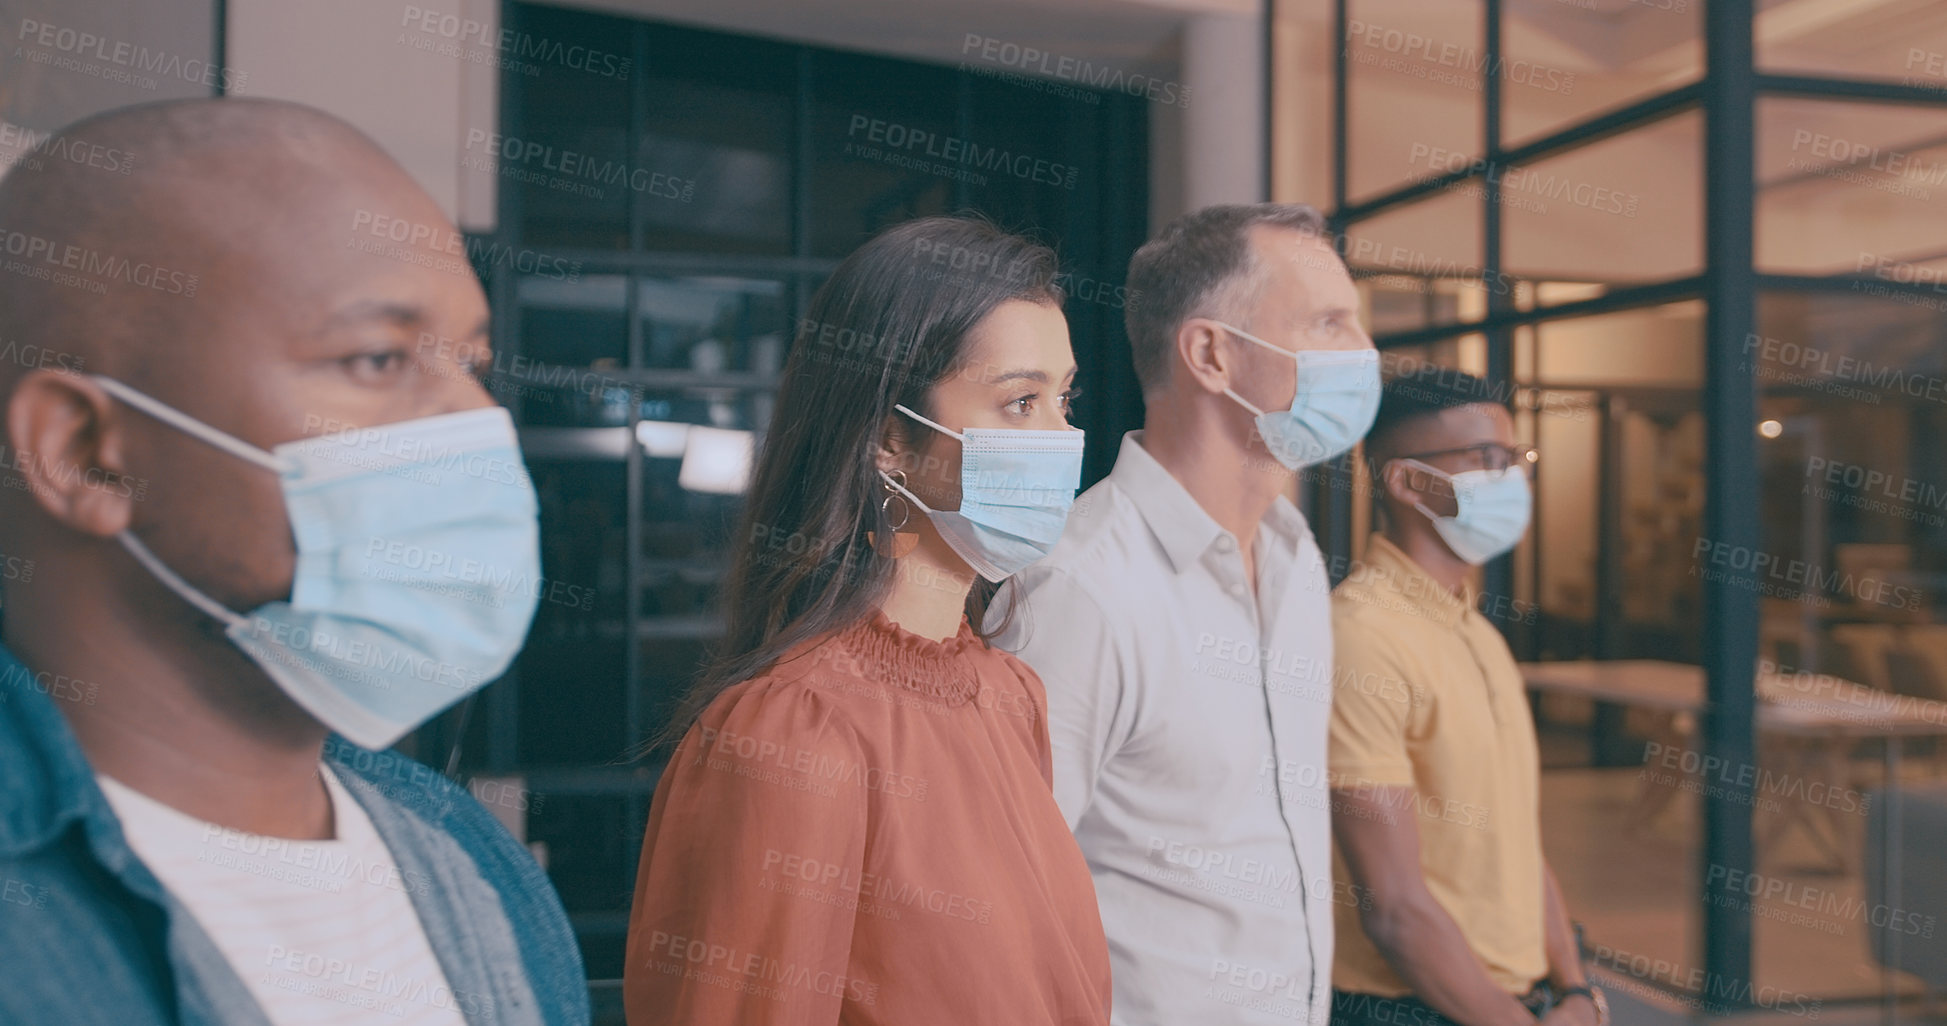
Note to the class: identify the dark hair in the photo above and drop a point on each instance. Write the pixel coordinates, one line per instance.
(1185, 271)
(1425, 390)
(890, 323)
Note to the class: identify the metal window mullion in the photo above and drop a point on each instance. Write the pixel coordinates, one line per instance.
(1331, 487)
(503, 700)
(1730, 613)
(1498, 576)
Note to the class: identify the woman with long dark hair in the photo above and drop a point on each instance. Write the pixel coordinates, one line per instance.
(857, 825)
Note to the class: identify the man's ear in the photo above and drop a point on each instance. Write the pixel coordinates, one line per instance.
(1395, 481)
(65, 443)
(1410, 484)
(1200, 357)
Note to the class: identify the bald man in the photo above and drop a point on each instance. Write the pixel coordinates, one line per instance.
(241, 471)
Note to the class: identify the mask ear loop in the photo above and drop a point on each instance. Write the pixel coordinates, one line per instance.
(1247, 336)
(1435, 471)
(196, 429)
(957, 436)
(174, 582)
(189, 425)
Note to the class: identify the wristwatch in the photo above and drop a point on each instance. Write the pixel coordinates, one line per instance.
(1595, 996)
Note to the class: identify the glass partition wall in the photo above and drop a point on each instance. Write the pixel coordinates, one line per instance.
(1700, 249)
(659, 239)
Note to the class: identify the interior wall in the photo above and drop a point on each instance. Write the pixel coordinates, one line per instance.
(415, 77)
(65, 60)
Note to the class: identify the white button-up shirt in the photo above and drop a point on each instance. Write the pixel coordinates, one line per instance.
(1188, 720)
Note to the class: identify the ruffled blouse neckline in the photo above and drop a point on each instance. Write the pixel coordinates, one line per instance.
(897, 656)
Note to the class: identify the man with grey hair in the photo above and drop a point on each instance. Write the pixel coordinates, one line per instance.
(1183, 631)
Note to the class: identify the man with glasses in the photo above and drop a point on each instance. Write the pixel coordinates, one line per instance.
(1434, 771)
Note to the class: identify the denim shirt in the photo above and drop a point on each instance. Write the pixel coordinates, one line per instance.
(89, 935)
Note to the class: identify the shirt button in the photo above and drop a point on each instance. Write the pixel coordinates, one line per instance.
(1224, 544)
(1235, 589)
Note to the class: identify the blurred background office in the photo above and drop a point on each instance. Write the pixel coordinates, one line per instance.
(1699, 246)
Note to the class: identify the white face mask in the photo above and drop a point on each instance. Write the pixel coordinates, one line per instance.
(1491, 512)
(418, 565)
(1016, 487)
(1336, 399)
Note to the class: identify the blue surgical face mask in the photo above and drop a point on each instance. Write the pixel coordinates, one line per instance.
(418, 566)
(1336, 400)
(1491, 512)
(1016, 487)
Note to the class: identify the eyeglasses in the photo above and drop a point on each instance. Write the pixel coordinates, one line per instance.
(1491, 455)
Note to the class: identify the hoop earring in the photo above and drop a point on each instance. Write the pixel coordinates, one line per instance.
(905, 510)
(901, 542)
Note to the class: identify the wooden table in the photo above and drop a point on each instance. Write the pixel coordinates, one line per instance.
(1808, 724)
(1799, 704)
(1818, 718)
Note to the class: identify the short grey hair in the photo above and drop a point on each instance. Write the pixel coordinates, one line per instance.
(1194, 269)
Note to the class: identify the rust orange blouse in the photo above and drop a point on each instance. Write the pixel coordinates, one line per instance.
(866, 835)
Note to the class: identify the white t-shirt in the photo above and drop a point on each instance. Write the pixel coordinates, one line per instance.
(320, 931)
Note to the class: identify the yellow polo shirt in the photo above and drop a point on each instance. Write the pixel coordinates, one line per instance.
(1427, 696)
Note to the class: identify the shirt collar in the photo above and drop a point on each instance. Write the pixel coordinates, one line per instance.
(47, 781)
(1179, 523)
(1391, 572)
